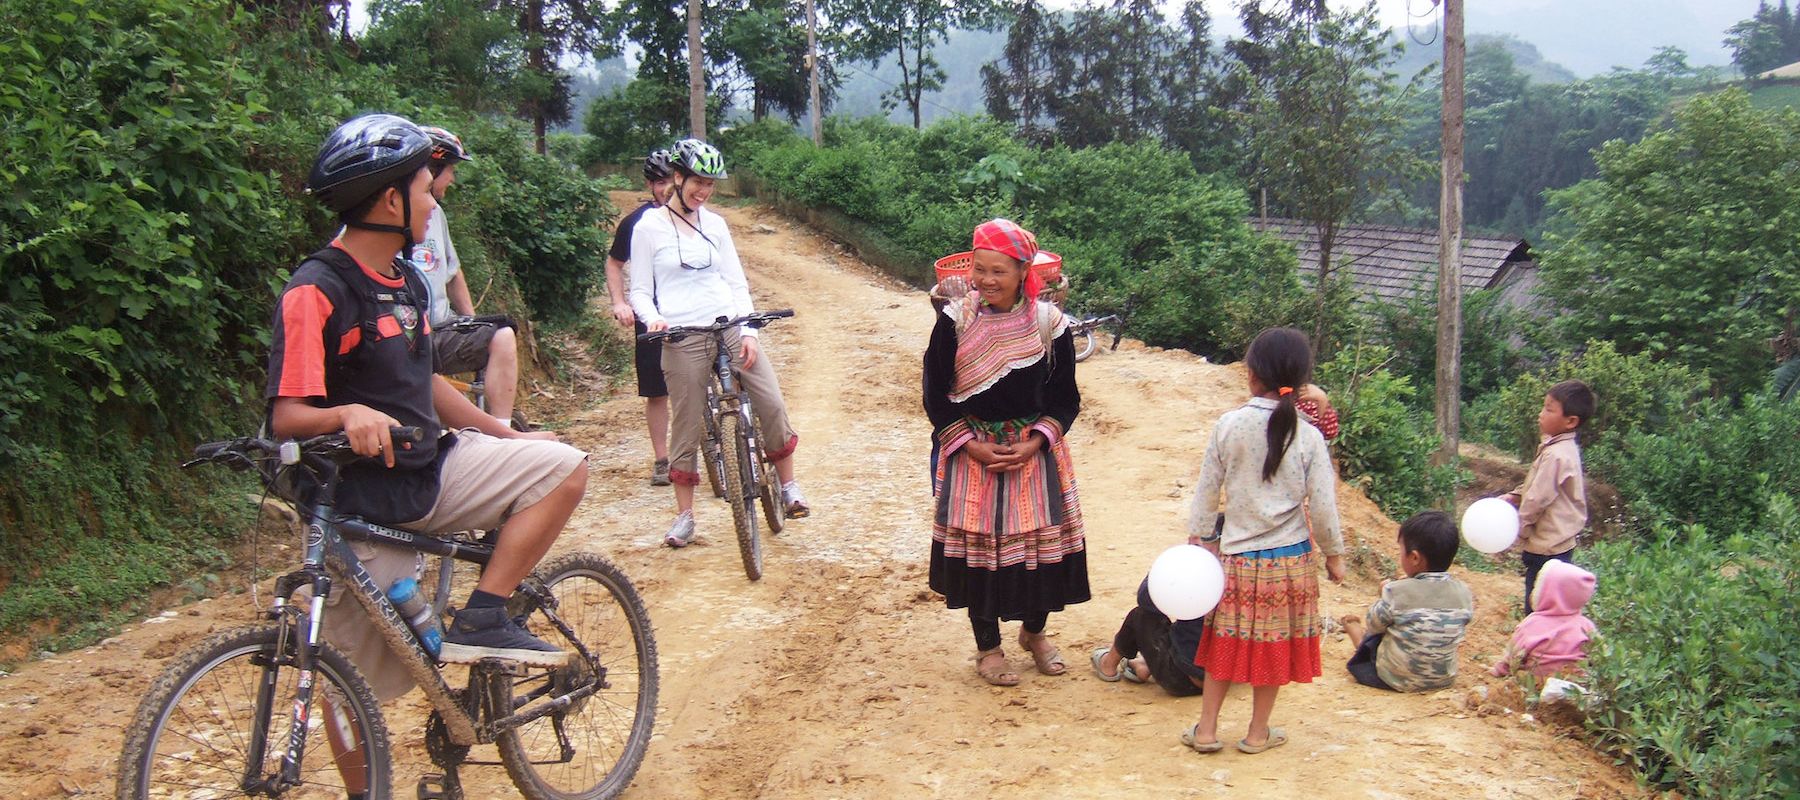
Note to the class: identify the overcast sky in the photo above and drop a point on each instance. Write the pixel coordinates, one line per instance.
(1587, 36)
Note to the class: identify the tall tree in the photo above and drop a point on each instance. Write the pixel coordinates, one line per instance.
(1684, 244)
(910, 29)
(553, 29)
(460, 49)
(1323, 112)
(763, 43)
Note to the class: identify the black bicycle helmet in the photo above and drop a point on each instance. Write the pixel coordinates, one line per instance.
(364, 156)
(695, 157)
(657, 166)
(446, 147)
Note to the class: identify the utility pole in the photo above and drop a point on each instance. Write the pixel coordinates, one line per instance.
(1450, 322)
(696, 73)
(812, 73)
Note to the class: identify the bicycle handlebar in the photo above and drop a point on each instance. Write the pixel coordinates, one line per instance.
(754, 319)
(242, 453)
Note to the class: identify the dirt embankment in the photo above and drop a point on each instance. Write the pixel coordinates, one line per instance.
(840, 674)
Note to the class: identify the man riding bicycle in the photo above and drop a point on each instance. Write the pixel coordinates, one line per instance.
(352, 352)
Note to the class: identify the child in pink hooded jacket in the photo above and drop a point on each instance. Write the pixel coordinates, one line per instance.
(1553, 638)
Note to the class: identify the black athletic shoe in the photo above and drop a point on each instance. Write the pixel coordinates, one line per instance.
(478, 633)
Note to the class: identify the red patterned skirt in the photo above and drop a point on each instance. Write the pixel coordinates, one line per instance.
(1266, 629)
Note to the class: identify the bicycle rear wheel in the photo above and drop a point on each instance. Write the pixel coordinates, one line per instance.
(608, 731)
(1085, 347)
(709, 453)
(740, 495)
(233, 695)
(768, 487)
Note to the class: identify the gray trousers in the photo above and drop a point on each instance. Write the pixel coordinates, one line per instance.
(686, 365)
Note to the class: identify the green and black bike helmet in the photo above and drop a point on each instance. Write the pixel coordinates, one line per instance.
(695, 157)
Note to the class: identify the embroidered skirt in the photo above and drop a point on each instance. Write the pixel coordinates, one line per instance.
(1007, 545)
(1265, 630)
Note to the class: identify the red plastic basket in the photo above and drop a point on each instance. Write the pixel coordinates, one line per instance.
(1047, 265)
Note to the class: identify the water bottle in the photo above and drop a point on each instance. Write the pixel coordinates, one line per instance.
(411, 604)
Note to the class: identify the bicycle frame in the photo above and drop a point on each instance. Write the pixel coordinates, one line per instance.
(725, 396)
(328, 551)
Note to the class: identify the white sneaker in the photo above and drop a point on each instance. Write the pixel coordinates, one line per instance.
(794, 501)
(682, 531)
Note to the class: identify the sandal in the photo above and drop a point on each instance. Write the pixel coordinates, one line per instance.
(1188, 738)
(1277, 738)
(1099, 653)
(1001, 675)
(1050, 663)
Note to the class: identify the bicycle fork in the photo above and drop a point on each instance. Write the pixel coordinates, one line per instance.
(305, 659)
(730, 390)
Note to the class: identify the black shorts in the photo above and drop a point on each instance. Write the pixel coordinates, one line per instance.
(462, 346)
(1362, 663)
(649, 365)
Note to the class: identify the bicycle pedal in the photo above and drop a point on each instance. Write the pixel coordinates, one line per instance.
(433, 786)
(502, 666)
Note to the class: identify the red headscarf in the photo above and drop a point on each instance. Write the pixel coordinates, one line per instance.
(1005, 236)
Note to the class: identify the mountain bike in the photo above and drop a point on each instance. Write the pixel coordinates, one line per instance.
(273, 710)
(733, 446)
(1083, 329)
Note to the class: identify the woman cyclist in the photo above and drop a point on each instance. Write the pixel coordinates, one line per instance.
(685, 271)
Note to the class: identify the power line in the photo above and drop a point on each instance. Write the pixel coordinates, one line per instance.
(890, 84)
(1431, 12)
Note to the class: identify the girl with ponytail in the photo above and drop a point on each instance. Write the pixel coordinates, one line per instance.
(1271, 470)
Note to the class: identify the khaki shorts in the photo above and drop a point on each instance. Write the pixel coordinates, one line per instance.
(484, 480)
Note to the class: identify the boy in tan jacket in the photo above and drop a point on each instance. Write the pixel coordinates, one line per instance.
(1552, 501)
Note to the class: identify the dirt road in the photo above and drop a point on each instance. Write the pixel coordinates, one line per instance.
(840, 674)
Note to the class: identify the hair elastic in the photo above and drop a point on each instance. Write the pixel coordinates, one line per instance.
(1285, 391)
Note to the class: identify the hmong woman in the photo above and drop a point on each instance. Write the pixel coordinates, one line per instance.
(1271, 470)
(1000, 392)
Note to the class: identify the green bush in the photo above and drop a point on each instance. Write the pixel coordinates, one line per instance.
(1384, 444)
(1182, 258)
(1721, 469)
(1635, 392)
(1494, 347)
(538, 218)
(1694, 668)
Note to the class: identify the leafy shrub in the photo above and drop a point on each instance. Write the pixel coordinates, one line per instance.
(1721, 469)
(1635, 392)
(1384, 444)
(1494, 348)
(540, 219)
(1183, 259)
(1694, 667)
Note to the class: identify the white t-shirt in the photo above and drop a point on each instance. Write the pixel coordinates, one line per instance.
(436, 259)
(711, 284)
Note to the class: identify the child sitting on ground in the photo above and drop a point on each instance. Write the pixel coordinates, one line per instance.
(1150, 647)
(1414, 629)
(1553, 639)
(1552, 501)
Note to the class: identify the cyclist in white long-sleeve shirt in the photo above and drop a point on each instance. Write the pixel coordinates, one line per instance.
(685, 271)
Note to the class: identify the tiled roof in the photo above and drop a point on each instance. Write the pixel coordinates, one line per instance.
(1392, 262)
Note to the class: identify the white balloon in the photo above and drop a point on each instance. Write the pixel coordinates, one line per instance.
(1490, 525)
(1186, 582)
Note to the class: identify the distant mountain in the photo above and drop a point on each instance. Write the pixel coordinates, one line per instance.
(961, 58)
(1593, 36)
(1526, 57)
(966, 51)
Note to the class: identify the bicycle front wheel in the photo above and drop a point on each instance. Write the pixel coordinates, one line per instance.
(218, 720)
(592, 748)
(740, 494)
